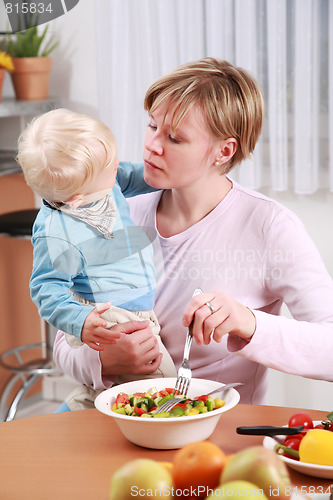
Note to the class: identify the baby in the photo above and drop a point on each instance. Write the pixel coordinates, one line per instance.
(92, 266)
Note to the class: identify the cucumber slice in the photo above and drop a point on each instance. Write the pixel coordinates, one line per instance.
(177, 412)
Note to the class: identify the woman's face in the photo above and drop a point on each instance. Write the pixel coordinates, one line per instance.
(179, 159)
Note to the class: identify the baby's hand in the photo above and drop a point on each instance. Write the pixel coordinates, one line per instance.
(94, 332)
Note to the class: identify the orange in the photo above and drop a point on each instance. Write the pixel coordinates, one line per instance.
(198, 466)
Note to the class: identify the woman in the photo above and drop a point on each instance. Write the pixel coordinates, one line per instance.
(204, 118)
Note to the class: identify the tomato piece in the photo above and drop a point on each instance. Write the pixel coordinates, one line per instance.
(139, 394)
(299, 436)
(301, 418)
(326, 424)
(169, 390)
(203, 398)
(181, 405)
(293, 443)
(139, 411)
(163, 394)
(122, 399)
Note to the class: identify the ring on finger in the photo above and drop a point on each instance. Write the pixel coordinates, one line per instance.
(209, 305)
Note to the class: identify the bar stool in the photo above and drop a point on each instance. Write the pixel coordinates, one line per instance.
(26, 371)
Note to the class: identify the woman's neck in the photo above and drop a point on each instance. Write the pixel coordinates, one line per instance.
(179, 209)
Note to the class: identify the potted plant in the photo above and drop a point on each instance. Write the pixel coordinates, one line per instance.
(32, 64)
(6, 64)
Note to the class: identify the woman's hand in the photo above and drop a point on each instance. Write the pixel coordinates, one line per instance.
(229, 316)
(136, 352)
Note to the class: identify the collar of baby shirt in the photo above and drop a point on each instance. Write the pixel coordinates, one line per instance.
(101, 214)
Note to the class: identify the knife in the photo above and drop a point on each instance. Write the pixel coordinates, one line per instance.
(269, 430)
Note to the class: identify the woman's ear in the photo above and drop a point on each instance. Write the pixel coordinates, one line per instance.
(75, 201)
(226, 151)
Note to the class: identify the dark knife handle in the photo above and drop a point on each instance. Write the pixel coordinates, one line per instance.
(269, 430)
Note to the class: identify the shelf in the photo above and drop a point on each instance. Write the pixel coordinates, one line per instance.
(12, 107)
(8, 165)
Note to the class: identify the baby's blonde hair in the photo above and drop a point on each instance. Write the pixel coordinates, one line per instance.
(228, 97)
(61, 151)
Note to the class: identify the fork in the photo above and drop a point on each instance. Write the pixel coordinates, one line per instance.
(171, 403)
(184, 374)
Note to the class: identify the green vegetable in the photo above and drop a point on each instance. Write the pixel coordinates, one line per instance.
(162, 415)
(210, 404)
(177, 412)
(122, 411)
(142, 405)
(165, 399)
(330, 416)
(198, 404)
(280, 449)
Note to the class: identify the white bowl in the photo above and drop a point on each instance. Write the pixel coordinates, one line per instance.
(166, 433)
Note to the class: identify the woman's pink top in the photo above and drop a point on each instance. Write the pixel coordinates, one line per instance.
(257, 251)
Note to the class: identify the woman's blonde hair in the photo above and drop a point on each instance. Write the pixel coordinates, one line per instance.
(61, 151)
(229, 98)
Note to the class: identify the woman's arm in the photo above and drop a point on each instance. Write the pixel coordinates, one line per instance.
(136, 352)
(82, 363)
(296, 275)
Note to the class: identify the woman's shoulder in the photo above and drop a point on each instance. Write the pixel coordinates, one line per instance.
(259, 203)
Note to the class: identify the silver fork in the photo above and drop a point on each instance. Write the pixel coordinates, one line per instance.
(171, 403)
(184, 374)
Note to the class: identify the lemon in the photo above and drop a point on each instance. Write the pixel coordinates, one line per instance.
(317, 447)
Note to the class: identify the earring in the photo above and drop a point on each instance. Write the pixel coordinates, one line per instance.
(217, 163)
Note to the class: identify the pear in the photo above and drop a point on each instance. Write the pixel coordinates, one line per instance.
(238, 490)
(141, 477)
(261, 467)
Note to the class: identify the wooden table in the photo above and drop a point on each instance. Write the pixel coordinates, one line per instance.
(71, 456)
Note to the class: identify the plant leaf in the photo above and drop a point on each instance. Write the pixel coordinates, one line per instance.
(330, 416)
(29, 43)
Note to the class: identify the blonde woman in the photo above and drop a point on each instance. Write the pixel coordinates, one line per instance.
(247, 252)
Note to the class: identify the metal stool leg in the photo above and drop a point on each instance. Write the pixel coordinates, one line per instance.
(8, 412)
(28, 372)
(28, 369)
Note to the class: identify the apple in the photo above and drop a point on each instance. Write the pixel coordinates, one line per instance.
(143, 478)
(261, 467)
(238, 489)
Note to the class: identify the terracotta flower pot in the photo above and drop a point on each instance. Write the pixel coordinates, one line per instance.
(31, 77)
(2, 76)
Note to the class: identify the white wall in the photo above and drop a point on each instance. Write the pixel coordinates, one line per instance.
(74, 80)
(316, 212)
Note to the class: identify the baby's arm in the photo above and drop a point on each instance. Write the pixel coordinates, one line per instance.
(51, 282)
(94, 332)
(130, 179)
